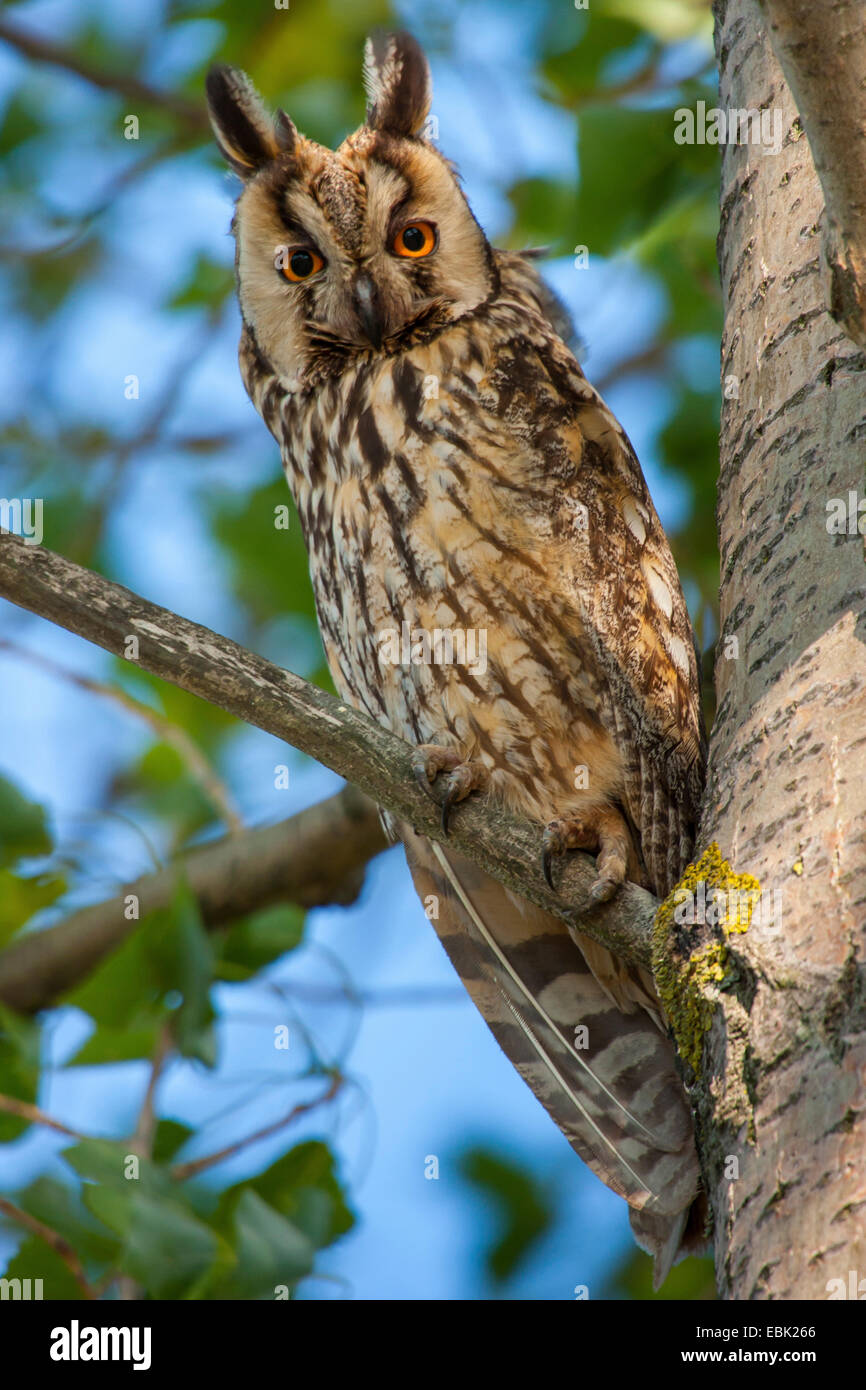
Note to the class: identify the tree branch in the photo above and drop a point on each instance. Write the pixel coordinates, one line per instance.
(313, 858)
(42, 50)
(343, 739)
(821, 48)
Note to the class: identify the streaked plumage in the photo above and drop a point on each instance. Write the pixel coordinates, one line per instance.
(454, 470)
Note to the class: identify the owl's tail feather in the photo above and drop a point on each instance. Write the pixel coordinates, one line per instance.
(669, 1243)
(608, 1079)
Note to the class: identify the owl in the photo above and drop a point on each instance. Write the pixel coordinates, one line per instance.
(492, 584)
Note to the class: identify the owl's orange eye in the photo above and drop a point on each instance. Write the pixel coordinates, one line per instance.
(415, 240)
(302, 264)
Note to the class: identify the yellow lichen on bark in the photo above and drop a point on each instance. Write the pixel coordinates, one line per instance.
(709, 896)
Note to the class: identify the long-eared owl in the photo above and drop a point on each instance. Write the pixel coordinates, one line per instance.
(492, 583)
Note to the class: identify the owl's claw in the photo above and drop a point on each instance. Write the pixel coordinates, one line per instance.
(547, 868)
(602, 832)
(463, 780)
(429, 759)
(553, 844)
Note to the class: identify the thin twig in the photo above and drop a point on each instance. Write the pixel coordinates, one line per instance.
(34, 1116)
(61, 1247)
(203, 772)
(141, 1141)
(124, 84)
(182, 1171)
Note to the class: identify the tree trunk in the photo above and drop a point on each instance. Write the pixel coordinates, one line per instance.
(781, 1118)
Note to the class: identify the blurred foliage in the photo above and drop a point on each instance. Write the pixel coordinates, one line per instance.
(693, 1280)
(617, 71)
(132, 1215)
(523, 1210)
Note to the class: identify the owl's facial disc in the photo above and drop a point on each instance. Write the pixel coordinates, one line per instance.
(355, 250)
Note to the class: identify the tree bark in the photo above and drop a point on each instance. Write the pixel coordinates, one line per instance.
(782, 1121)
(821, 47)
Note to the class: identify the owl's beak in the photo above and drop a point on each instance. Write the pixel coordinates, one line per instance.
(368, 308)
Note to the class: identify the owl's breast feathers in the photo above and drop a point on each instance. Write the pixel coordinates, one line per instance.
(475, 490)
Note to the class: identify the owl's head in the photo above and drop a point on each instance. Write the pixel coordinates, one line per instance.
(362, 249)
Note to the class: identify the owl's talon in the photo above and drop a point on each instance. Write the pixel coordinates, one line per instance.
(603, 890)
(552, 846)
(600, 832)
(424, 782)
(547, 867)
(466, 778)
(429, 759)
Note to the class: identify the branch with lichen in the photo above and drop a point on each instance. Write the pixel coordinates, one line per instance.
(695, 966)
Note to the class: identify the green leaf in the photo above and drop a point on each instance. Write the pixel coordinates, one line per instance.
(270, 1251)
(59, 1206)
(167, 1248)
(184, 958)
(258, 940)
(124, 991)
(269, 565)
(37, 1260)
(118, 1044)
(20, 123)
(576, 73)
(303, 1186)
(21, 898)
(106, 1163)
(20, 1057)
(631, 172)
(169, 1138)
(161, 781)
(23, 828)
(208, 284)
(680, 247)
(543, 206)
(524, 1210)
(169, 955)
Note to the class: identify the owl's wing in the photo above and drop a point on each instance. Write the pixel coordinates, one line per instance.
(608, 1080)
(519, 271)
(620, 582)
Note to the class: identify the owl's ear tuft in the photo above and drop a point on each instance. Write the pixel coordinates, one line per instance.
(244, 131)
(397, 82)
(285, 131)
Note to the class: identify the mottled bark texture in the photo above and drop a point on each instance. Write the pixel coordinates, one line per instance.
(821, 47)
(782, 1119)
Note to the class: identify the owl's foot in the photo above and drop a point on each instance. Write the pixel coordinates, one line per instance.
(429, 759)
(601, 831)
